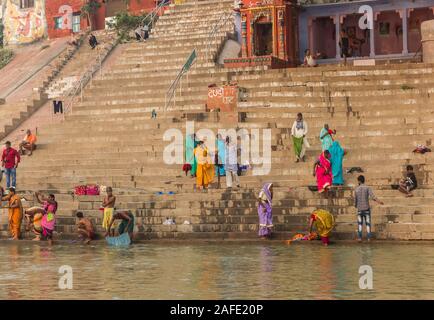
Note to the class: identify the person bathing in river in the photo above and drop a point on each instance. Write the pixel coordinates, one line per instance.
(85, 228)
(265, 210)
(324, 222)
(108, 204)
(49, 205)
(126, 225)
(15, 213)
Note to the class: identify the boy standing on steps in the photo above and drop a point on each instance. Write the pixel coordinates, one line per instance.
(361, 202)
(108, 204)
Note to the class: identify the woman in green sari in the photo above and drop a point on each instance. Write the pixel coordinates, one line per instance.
(190, 145)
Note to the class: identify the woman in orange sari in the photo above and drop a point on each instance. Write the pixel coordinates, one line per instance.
(15, 213)
(205, 168)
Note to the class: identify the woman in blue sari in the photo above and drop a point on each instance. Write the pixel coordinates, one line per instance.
(325, 136)
(337, 156)
(220, 159)
(265, 210)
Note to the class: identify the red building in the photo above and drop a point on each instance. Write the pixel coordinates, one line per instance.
(64, 16)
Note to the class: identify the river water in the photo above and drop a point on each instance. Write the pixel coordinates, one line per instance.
(217, 271)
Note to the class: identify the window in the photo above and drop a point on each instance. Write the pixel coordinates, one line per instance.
(27, 4)
(58, 23)
(76, 22)
(384, 28)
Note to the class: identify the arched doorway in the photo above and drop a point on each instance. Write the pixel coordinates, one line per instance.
(263, 36)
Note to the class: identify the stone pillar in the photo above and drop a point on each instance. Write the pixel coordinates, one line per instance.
(372, 36)
(427, 29)
(404, 16)
(337, 22)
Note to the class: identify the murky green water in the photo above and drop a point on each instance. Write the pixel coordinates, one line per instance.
(217, 271)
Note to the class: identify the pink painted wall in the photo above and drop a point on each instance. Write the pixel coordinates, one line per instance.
(323, 33)
(391, 43)
(416, 18)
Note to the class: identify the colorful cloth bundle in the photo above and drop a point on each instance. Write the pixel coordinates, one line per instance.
(122, 240)
(302, 237)
(422, 149)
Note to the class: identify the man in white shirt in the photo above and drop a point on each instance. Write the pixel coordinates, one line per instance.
(299, 132)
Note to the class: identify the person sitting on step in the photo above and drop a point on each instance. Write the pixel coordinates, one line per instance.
(92, 41)
(28, 143)
(409, 183)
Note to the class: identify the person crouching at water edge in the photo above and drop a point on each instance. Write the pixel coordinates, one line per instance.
(85, 228)
(126, 225)
(265, 210)
(15, 213)
(35, 214)
(324, 222)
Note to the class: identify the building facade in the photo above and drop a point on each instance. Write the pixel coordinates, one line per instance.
(394, 31)
(27, 21)
(23, 21)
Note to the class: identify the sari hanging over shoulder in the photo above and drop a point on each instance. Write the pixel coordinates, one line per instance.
(265, 211)
(337, 156)
(324, 222)
(323, 173)
(327, 141)
(205, 168)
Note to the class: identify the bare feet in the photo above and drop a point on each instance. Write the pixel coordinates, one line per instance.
(36, 239)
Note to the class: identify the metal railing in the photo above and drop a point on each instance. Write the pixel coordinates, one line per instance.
(212, 36)
(150, 19)
(88, 75)
(171, 92)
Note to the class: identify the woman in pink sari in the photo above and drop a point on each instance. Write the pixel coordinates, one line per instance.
(323, 171)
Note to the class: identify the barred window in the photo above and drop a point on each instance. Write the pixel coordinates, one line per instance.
(27, 4)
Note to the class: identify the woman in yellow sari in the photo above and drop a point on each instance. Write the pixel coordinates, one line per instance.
(15, 213)
(324, 223)
(205, 168)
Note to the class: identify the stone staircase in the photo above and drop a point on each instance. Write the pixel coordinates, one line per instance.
(83, 60)
(381, 113)
(14, 113)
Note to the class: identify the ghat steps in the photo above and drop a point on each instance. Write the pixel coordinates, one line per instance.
(381, 113)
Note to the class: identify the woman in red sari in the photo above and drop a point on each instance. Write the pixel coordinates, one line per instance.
(323, 171)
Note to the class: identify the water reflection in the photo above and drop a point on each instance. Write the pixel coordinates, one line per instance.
(217, 271)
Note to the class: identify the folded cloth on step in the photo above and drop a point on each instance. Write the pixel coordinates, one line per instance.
(186, 167)
(119, 241)
(354, 169)
(421, 149)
